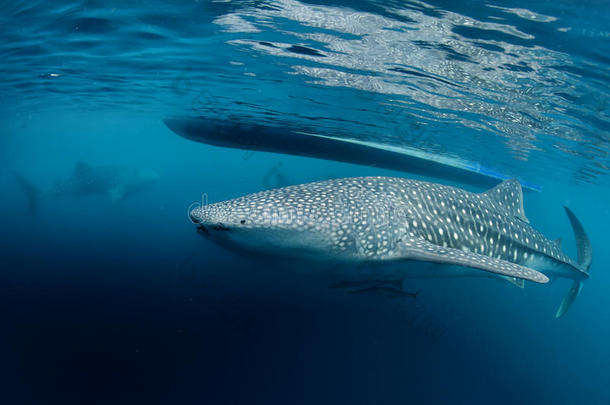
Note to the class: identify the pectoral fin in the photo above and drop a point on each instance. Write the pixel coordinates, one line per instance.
(515, 281)
(420, 249)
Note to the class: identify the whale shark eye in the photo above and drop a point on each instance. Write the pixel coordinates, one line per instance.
(243, 222)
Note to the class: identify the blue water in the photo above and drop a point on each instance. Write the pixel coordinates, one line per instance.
(122, 302)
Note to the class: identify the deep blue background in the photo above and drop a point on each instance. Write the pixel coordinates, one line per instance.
(123, 302)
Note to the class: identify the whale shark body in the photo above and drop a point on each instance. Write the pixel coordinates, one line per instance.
(115, 182)
(386, 222)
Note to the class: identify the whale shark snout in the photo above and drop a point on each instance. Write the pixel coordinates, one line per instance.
(194, 218)
(210, 216)
(247, 226)
(213, 222)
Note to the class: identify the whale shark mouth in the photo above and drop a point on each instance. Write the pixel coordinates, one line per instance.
(202, 230)
(205, 230)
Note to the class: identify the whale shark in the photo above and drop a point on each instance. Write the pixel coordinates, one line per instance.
(389, 223)
(115, 182)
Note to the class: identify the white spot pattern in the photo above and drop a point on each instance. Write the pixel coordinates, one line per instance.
(375, 217)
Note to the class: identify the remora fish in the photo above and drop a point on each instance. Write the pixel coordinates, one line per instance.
(387, 220)
(113, 181)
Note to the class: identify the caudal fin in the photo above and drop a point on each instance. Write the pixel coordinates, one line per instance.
(31, 191)
(585, 255)
(583, 245)
(569, 299)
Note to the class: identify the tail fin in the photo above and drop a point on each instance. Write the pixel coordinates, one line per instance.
(31, 191)
(583, 246)
(569, 299)
(585, 254)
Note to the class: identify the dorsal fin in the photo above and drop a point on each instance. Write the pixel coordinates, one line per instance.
(508, 197)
